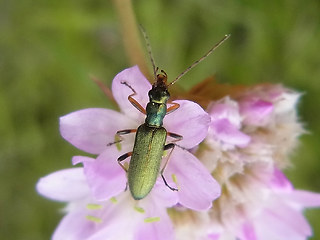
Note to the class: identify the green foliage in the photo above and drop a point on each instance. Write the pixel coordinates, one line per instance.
(49, 48)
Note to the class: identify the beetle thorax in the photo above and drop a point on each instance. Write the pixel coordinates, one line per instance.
(157, 106)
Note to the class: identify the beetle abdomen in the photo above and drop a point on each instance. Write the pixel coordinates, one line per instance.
(146, 159)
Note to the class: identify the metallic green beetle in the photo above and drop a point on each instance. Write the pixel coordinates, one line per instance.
(150, 140)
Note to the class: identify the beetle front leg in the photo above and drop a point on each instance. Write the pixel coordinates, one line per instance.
(172, 108)
(119, 134)
(133, 101)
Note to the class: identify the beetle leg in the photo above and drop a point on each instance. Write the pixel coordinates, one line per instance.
(133, 101)
(170, 146)
(165, 182)
(136, 104)
(172, 108)
(123, 157)
(176, 137)
(119, 133)
(166, 147)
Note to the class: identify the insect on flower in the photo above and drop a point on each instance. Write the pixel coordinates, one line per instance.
(151, 136)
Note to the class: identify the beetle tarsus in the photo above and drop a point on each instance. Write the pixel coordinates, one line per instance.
(165, 182)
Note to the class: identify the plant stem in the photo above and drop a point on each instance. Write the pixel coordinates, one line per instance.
(130, 35)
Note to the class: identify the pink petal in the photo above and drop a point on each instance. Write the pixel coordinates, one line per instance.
(158, 230)
(92, 129)
(226, 132)
(228, 109)
(280, 181)
(214, 236)
(74, 226)
(81, 159)
(189, 121)
(161, 195)
(64, 185)
(284, 223)
(197, 188)
(105, 177)
(303, 199)
(136, 80)
(248, 232)
(119, 220)
(256, 112)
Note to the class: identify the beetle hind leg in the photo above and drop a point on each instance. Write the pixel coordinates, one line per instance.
(165, 182)
(123, 157)
(166, 147)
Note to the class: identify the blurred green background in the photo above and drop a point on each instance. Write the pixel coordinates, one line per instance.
(49, 48)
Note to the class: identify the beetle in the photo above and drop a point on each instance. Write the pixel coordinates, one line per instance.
(151, 136)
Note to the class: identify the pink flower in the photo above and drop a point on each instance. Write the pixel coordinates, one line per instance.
(244, 142)
(281, 216)
(226, 122)
(274, 212)
(249, 140)
(116, 218)
(102, 181)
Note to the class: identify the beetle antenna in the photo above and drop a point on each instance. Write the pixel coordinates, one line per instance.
(200, 59)
(146, 38)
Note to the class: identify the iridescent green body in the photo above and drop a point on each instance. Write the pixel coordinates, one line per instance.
(145, 161)
(149, 143)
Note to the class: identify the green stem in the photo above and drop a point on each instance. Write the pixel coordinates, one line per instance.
(130, 35)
